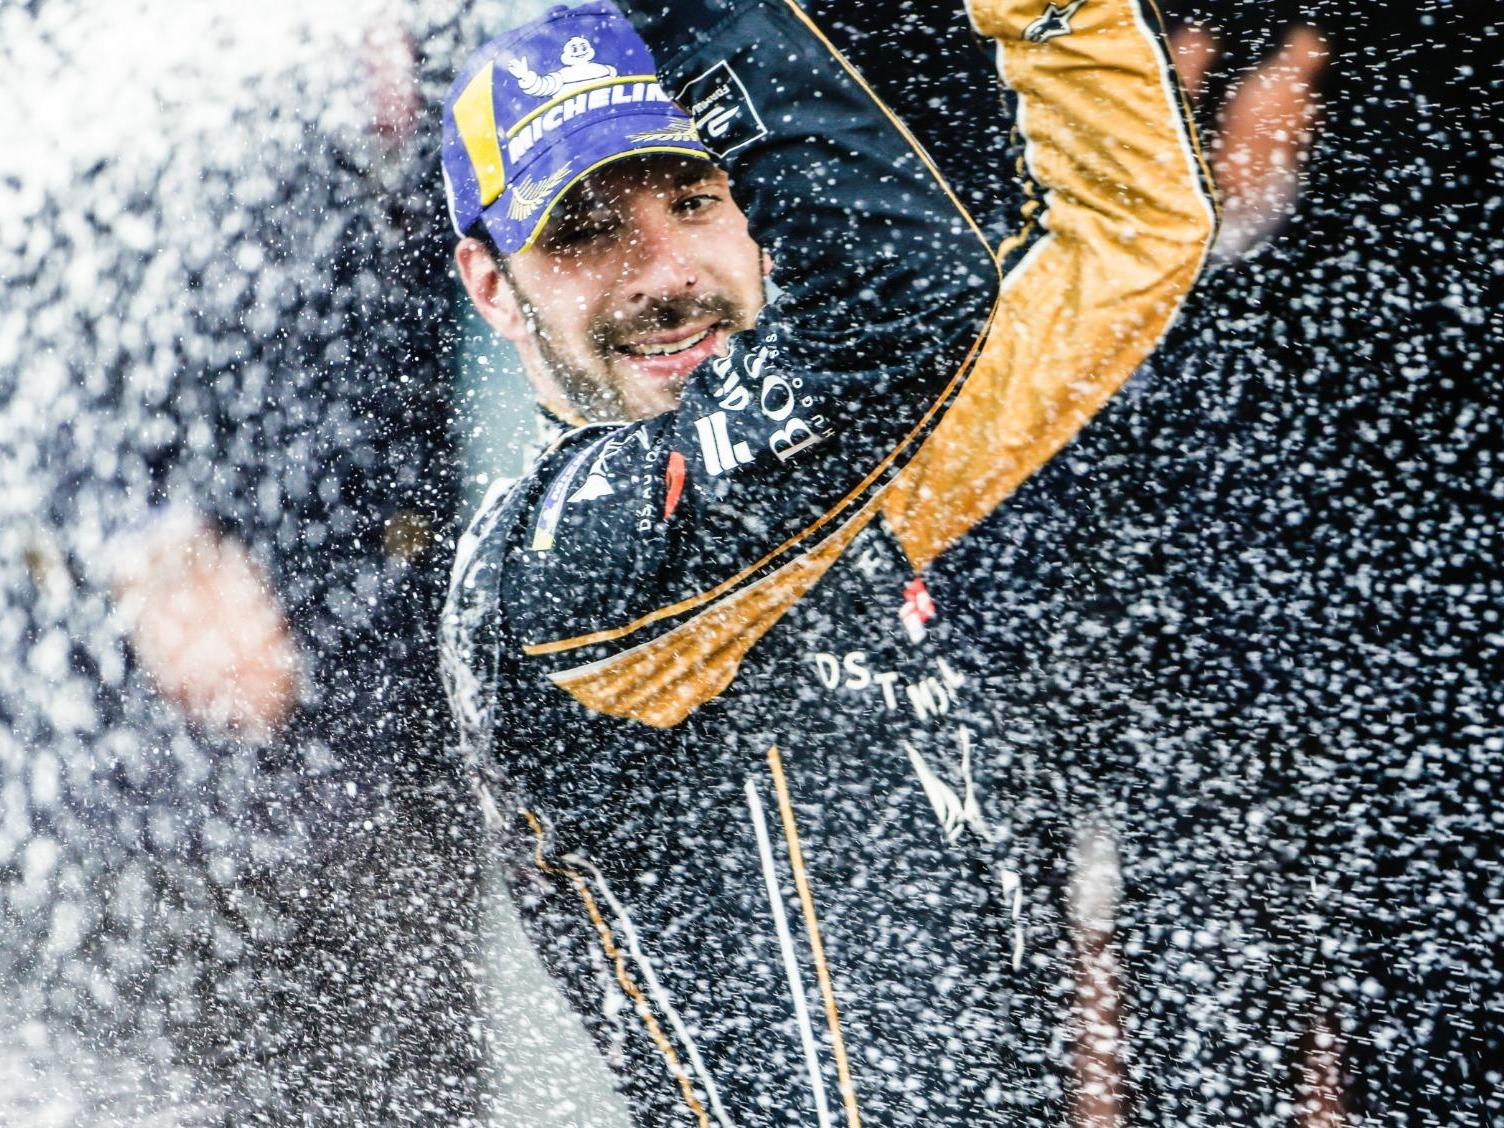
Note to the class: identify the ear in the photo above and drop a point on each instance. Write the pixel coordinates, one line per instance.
(767, 265)
(489, 290)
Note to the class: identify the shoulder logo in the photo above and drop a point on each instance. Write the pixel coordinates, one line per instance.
(595, 486)
(597, 482)
(724, 115)
(578, 68)
(1055, 22)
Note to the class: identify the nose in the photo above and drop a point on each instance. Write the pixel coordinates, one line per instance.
(658, 260)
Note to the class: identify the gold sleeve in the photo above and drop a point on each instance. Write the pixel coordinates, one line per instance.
(1119, 223)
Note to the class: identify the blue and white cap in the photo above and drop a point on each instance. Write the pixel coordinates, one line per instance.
(536, 110)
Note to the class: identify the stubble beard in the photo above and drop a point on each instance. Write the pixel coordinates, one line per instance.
(592, 386)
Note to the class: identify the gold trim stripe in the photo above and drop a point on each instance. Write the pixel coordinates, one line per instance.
(619, 963)
(816, 945)
(661, 681)
(475, 118)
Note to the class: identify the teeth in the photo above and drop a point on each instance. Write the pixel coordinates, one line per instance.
(669, 348)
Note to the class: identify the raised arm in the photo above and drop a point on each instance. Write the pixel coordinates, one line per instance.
(887, 375)
(1119, 224)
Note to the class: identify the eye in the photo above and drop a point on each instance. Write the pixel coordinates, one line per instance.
(694, 205)
(695, 202)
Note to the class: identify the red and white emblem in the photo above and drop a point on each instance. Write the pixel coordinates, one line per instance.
(918, 608)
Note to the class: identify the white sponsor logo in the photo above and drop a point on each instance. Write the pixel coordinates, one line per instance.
(869, 561)
(955, 812)
(617, 94)
(1013, 894)
(597, 482)
(928, 697)
(723, 114)
(776, 394)
(721, 454)
(579, 69)
(595, 485)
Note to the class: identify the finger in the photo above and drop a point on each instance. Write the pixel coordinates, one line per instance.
(1194, 50)
(1267, 127)
(1268, 112)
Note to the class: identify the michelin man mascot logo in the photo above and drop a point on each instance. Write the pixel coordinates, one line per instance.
(579, 69)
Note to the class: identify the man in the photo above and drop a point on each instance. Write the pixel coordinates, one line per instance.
(779, 863)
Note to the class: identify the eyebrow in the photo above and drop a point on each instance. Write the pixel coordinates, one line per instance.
(577, 204)
(693, 175)
(590, 194)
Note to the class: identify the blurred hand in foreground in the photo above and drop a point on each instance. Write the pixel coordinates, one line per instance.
(1263, 133)
(207, 628)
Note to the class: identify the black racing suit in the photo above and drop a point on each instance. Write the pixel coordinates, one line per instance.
(775, 854)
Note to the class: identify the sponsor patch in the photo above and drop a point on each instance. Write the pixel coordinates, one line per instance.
(723, 114)
(597, 483)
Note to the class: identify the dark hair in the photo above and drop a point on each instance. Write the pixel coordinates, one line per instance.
(481, 232)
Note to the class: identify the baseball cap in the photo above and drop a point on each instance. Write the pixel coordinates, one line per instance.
(541, 107)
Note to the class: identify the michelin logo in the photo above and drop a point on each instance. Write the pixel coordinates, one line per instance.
(723, 114)
(615, 94)
(579, 69)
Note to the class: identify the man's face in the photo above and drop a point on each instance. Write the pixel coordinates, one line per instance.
(644, 270)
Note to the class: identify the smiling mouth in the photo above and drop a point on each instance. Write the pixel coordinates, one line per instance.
(669, 347)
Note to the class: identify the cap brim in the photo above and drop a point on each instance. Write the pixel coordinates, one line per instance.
(563, 159)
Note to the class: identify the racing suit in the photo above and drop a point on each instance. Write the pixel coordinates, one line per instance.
(771, 848)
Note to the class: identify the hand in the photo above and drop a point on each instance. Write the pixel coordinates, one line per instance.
(1264, 131)
(207, 628)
